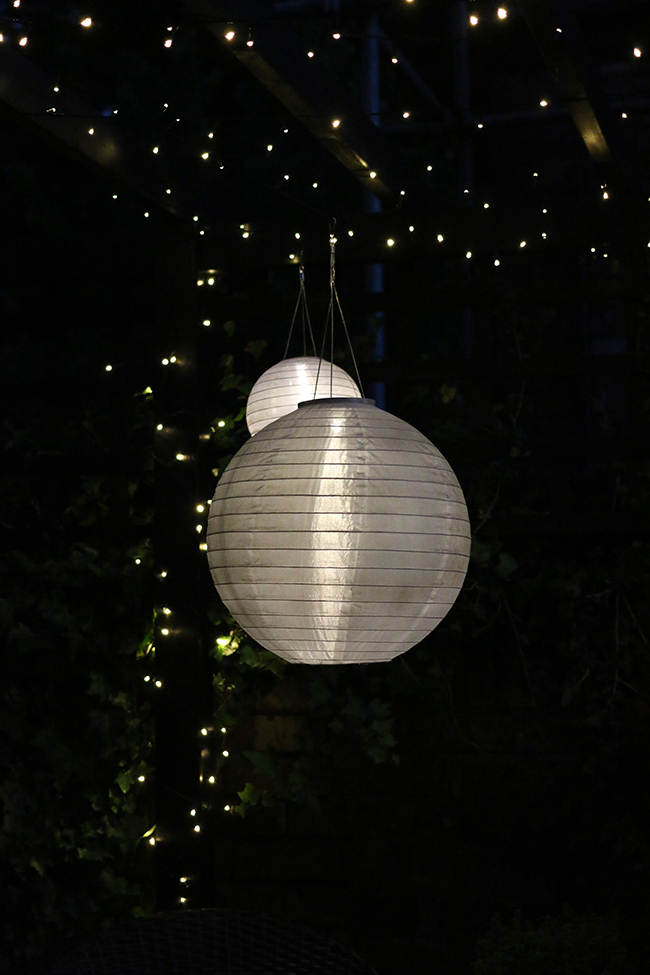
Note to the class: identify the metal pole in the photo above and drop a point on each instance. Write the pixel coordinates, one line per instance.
(373, 273)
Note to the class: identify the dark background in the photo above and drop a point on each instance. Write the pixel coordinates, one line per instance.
(500, 766)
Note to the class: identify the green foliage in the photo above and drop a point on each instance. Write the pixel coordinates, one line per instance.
(571, 944)
(75, 730)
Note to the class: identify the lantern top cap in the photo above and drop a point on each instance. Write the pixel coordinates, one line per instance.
(356, 400)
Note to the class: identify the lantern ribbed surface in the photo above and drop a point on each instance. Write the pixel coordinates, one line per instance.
(338, 534)
(279, 390)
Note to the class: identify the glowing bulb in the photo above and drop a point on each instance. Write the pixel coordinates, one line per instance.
(605, 195)
(394, 60)
(440, 238)
(211, 780)
(199, 528)
(286, 176)
(373, 174)
(165, 631)
(155, 150)
(390, 242)
(205, 155)
(350, 233)
(165, 362)
(210, 281)
(314, 185)
(203, 546)
(182, 900)
(226, 808)
(138, 561)
(223, 641)
(468, 254)
(497, 262)
(146, 213)
(158, 683)
(210, 135)
(109, 368)
(152, 841)
(473, 20)
(163, 574)
(197, 828)
(86, 22)
(192, 812)
(502, 13)
(411, 229)
(167, 191)
(200, 508)
(221, 423)
(637, 52)
(245, 234)
(543, 103)
(429, 168)
(335, 123)
(204, 731)
(297, 236)
(479, 125)
(206, 322)
(91, 131)
(196, 220)
(167, 611)
(229, 35)
(250, 42)
(22, 41)
(168, 42)
(405, 114)
(486, 206)
(337, 37)
(310, 54)
(522, 243)
(269, 148)
(223, 730)
(141, 778)
(159, 427)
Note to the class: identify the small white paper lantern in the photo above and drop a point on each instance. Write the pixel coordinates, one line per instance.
(279, 390)
(338, 534)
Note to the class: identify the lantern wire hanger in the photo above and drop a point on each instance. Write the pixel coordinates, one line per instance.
(301, 304)
(329, 321)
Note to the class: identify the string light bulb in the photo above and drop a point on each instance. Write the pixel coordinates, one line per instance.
(473, 20)
(86, 22)
(502, 13)
(229, 35)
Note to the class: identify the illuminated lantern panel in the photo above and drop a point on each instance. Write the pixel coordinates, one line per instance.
(338, 534)
(279, 390)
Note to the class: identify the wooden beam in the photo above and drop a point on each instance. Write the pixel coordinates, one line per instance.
(558, 35)
(308, 89)
(29, 93)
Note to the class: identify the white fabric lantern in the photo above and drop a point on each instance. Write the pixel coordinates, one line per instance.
(338, 534)
(279, 390)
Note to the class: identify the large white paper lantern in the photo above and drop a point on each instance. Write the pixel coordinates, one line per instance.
(279, 390)
(338, 534)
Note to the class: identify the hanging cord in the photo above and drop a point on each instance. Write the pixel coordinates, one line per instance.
(329, 321)
(301, 304)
